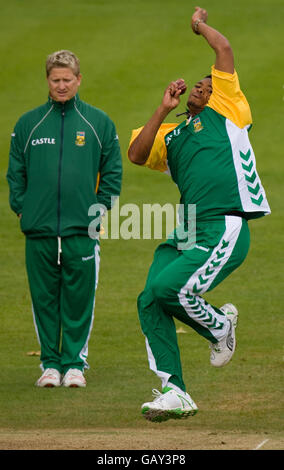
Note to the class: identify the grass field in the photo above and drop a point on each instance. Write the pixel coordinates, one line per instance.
(129, 52)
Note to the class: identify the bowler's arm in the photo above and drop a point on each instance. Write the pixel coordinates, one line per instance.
(140, 148)
(224, 54)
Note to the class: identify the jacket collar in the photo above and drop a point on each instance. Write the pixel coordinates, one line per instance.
(67, 105)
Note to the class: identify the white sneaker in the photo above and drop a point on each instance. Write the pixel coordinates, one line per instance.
(50, 378)
(74, 378)
(170, 404)
(222, 352)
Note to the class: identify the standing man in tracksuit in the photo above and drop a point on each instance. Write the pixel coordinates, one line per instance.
(64, 157)
(210, 158)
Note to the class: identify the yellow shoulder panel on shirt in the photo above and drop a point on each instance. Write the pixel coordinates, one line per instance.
(227, 98)
(157, 159)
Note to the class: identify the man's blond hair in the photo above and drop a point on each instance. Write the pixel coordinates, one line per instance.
(63, 58)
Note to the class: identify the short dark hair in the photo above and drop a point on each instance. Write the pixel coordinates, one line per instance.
(208, 76)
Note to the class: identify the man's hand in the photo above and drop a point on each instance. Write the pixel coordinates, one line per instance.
(171, 98)
(200, 15)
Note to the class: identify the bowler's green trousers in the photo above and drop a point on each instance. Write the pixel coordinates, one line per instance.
(63, 275)
(176, 281)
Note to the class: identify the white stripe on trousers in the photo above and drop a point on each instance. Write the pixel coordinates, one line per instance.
(164, 376)
(194, 305)
(84, 352)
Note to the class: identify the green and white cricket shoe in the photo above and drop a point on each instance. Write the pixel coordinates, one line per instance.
(222, 352)
(169, 405)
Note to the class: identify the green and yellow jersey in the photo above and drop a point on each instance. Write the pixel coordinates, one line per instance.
(210, 157)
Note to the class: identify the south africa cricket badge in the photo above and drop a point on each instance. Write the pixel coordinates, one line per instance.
(197, 125)
(80, 139)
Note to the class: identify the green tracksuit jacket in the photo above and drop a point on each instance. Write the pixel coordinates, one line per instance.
(63, 159)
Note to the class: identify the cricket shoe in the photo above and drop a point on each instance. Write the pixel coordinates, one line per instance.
(74, 378)
(169, 405)
(50, 378)
(222, 352)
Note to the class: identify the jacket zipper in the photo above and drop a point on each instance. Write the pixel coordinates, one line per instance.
(60, 170)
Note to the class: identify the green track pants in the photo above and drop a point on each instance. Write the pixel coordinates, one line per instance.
(63, 275)
(174, 287)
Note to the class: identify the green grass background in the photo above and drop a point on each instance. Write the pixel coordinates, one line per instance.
(129, 52)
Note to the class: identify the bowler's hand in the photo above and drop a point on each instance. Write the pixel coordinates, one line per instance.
(199, 14)
(171, 98)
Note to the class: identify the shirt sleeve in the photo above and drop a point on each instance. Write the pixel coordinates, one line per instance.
(16, 174)
(227, 98)
(157, 159)
(110, 173)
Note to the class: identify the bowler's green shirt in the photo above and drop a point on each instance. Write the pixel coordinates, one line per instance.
(210, 157)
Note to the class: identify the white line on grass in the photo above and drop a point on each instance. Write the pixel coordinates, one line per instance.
(261, 444)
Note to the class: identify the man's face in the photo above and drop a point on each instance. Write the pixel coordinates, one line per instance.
(200, 94)
(63, 84)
